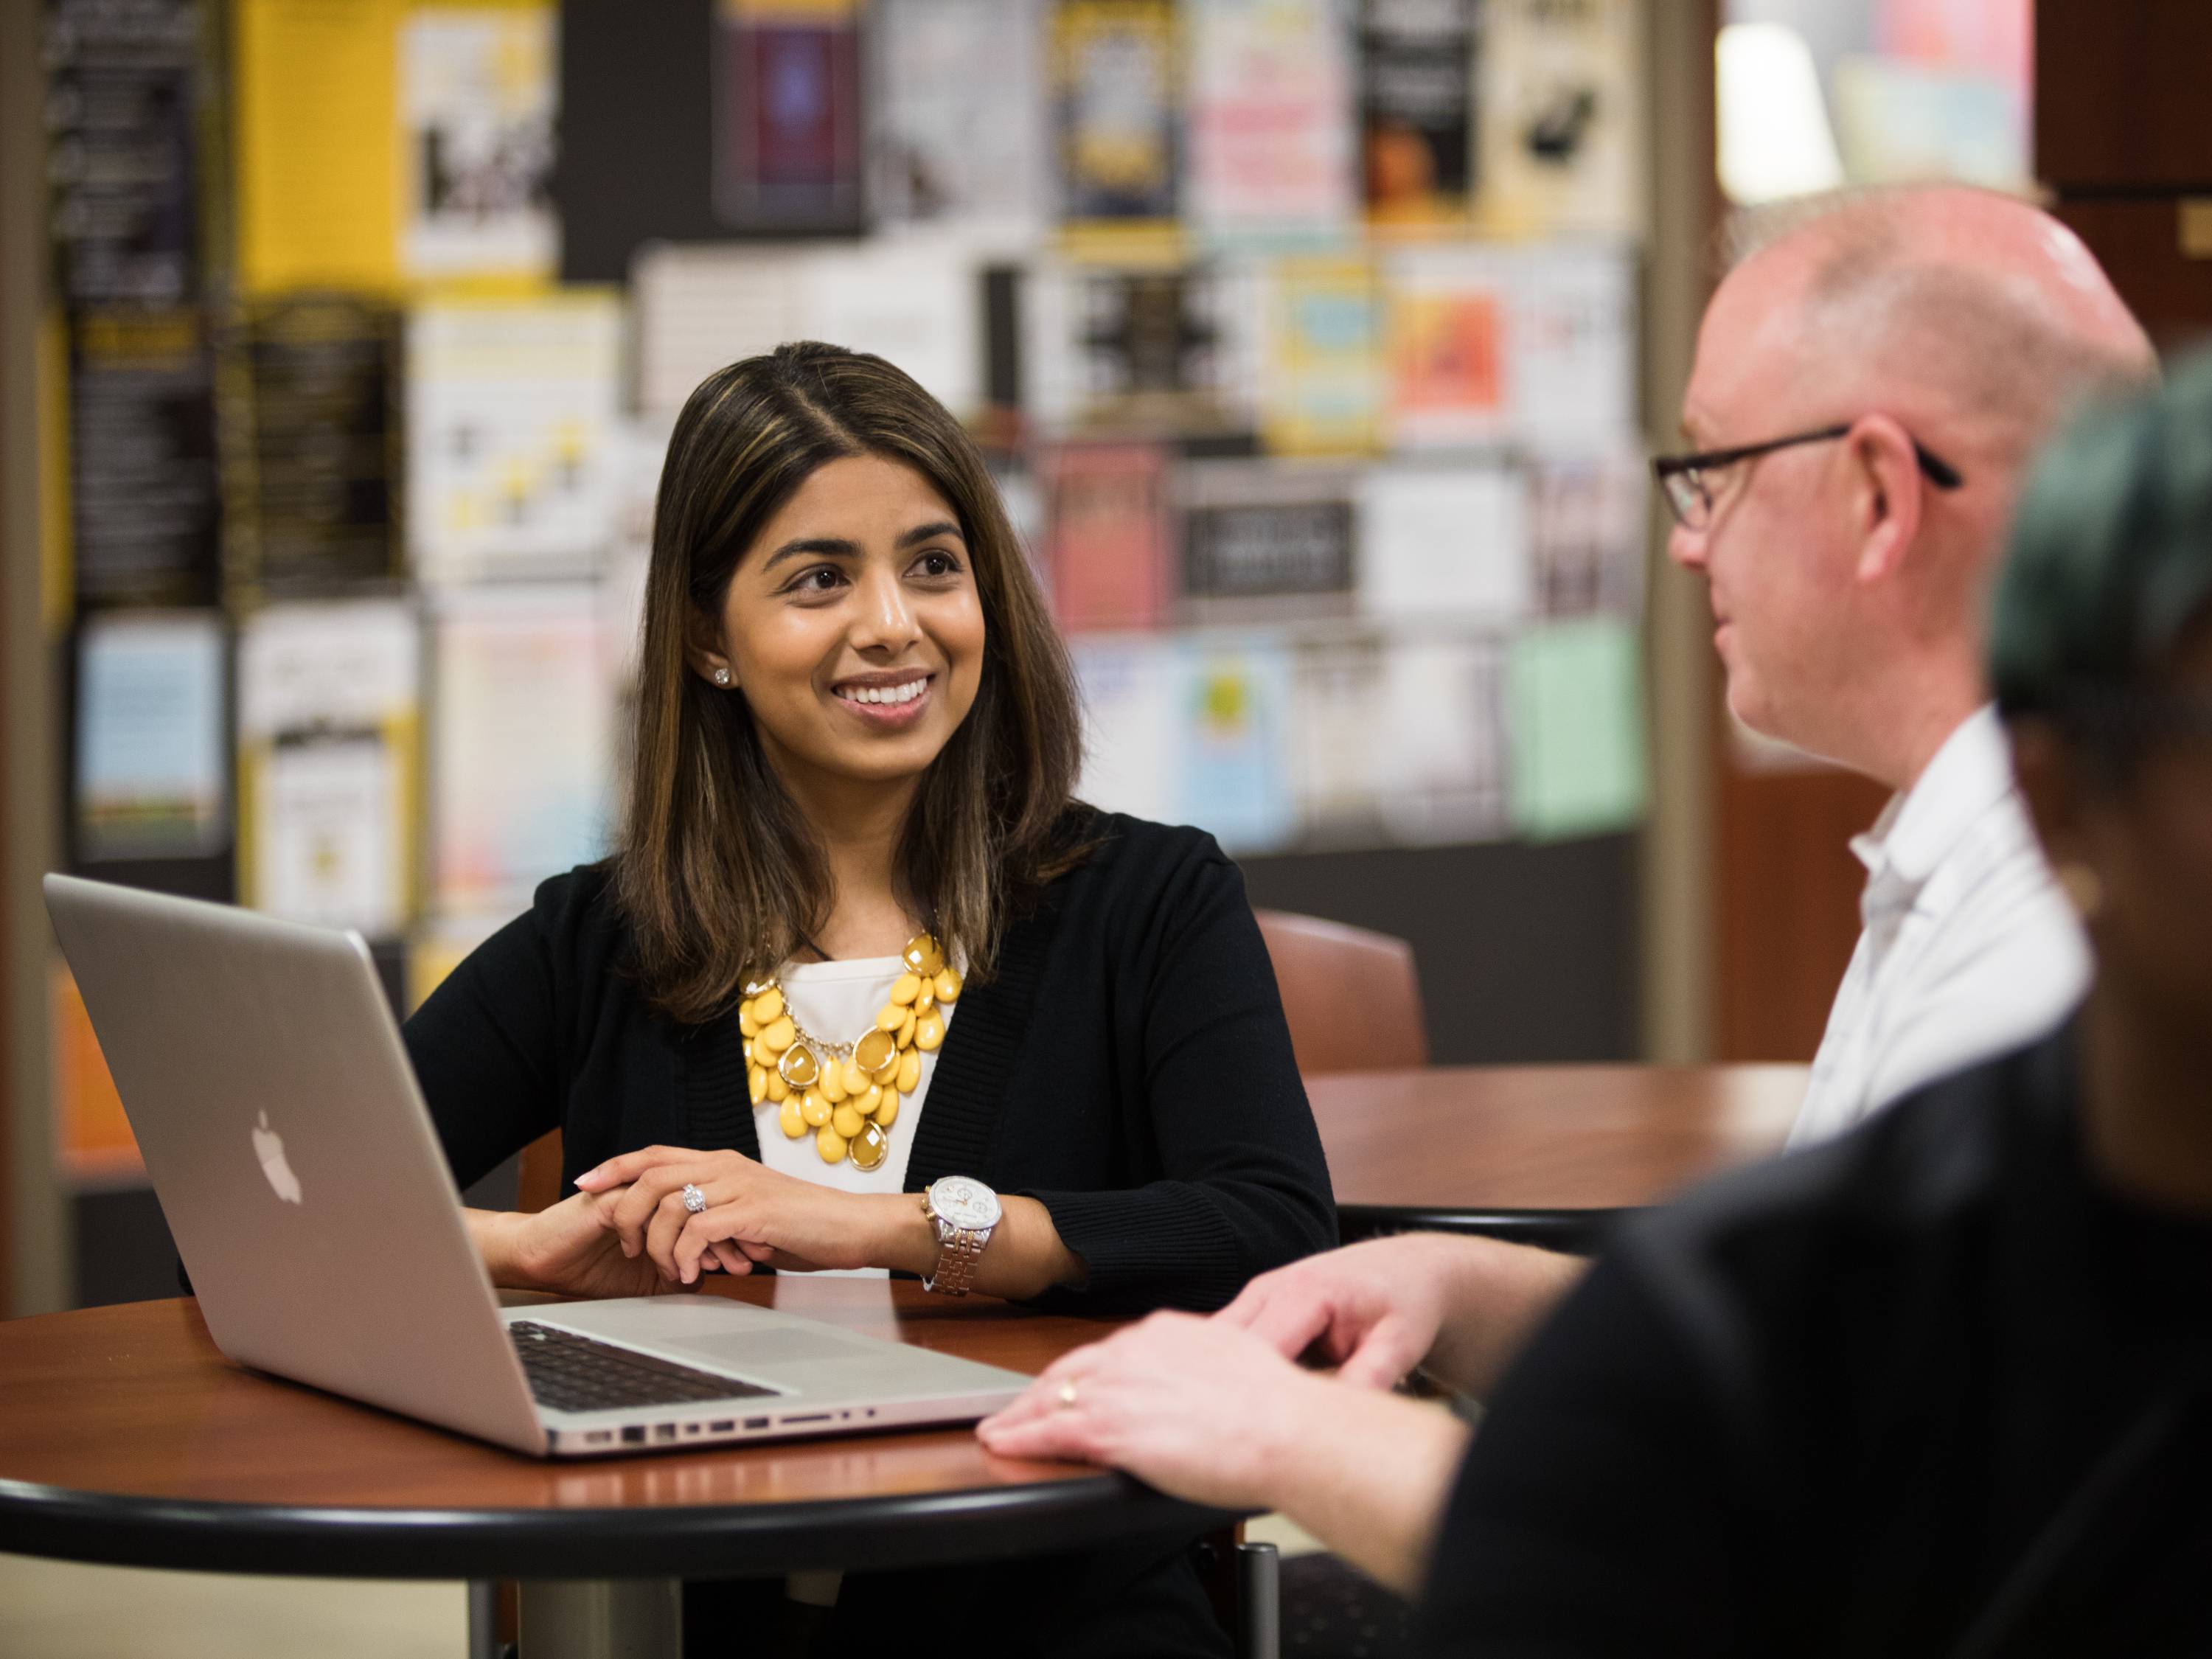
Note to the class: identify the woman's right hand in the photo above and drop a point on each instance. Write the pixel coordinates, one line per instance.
(566, 1248)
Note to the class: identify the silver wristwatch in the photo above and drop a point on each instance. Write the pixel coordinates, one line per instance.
(964, 1211)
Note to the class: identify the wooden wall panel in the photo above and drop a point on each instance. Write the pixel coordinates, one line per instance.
(2120, 94)
(2158, 251)
(1789, 902)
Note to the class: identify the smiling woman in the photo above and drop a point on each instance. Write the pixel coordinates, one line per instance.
(865, 988)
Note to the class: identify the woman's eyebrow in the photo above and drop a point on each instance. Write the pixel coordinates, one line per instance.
(922, 532)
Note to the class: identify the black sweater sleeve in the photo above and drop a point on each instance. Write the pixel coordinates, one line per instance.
(1591, 1517)
(485, 1044)
(1244, 1184)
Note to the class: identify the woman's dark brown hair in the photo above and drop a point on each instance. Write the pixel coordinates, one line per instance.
(718, 874)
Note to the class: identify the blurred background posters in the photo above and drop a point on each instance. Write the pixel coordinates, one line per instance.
(940, 155)
(523, 753)
(1417, 117)
(152, 767)
(787, 127)
(1271, 156)
(329, 738)
(511, 410)
(476, 94)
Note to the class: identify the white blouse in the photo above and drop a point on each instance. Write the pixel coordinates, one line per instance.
(838, 1002)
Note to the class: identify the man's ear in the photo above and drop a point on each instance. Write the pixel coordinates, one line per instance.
(1888, 494)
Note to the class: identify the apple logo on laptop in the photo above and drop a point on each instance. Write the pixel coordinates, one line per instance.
(269, 1147)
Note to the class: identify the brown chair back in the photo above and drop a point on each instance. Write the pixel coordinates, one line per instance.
(537, 1186)
(1353, 997)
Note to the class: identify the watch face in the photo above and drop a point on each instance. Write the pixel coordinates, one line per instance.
(966, 1203)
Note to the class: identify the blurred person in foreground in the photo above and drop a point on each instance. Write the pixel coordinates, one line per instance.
(1941, 1386)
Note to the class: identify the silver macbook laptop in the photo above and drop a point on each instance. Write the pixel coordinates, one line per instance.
(272, 1099)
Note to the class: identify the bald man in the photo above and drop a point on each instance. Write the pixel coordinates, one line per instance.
(1870, 384)
(1872, 379)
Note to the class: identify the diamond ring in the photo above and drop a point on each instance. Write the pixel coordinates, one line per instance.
(693, 1199)
(1067, 1395)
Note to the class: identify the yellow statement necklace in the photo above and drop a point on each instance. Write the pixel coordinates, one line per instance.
(847, 1093)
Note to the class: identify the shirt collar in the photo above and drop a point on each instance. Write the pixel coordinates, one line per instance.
(1970, 774)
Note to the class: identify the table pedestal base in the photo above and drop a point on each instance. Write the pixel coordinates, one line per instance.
(601, 1619)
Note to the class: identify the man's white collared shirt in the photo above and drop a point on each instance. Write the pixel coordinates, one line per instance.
(1968, 947)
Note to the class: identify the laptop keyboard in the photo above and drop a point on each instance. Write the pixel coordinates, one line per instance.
(573, 1373)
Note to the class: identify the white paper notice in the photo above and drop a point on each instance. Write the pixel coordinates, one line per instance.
(327, 831)
(523, 750)
(1130, 732)
(329, 728)
(511, 407)
(1440, 542)
(940, 155)
(1441, 771)
(917, 303)
(1570, 346)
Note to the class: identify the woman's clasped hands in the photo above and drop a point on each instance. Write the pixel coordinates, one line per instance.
(746, 1214)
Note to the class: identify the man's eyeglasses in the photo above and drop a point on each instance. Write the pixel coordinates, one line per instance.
(1682, 479)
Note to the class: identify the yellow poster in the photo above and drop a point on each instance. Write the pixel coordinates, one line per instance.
(384, 143)
(318, 144)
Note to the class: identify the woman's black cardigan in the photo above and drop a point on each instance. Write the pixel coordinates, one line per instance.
(1127, 1065)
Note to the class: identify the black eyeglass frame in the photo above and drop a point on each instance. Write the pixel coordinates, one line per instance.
(1939, 472)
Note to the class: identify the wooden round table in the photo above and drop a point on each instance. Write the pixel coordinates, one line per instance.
(1547, 1153)
(126, 1437)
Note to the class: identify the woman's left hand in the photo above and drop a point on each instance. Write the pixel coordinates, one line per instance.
(752, 1214)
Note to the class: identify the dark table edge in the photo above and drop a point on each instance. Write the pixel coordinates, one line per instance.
(690, 1541)
(1579, 1232)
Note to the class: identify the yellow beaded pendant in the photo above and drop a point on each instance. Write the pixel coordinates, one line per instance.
(845, 1095)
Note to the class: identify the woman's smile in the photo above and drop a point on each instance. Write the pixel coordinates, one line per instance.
(885, 702)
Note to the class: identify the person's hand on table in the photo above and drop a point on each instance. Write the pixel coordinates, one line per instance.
(566, 1247)
(1198, 1409)
(1372, 1310)
(752, 1214)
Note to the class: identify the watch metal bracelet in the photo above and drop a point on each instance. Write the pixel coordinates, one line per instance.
(955, 1263)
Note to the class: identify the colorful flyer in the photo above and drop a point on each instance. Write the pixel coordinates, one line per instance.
(1272, 152)
(523, 743)
(1417, 117)
(787, 121)
(151, 767)
(1108, 547)
(1236, 773)
(1447, 371)
(478, 91)
(1320, 373)
(1117, 92)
